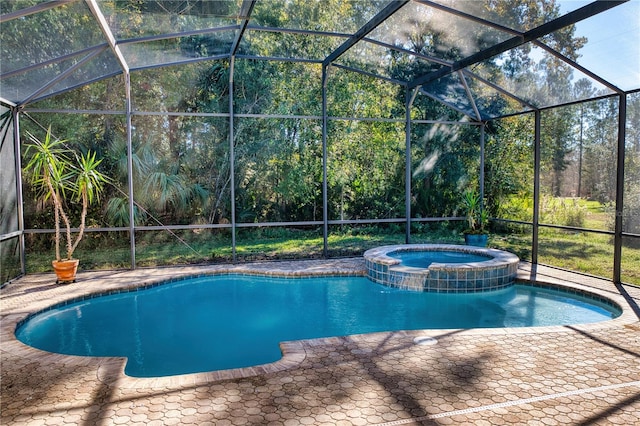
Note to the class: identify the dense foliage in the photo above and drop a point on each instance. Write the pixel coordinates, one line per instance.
(184, 165)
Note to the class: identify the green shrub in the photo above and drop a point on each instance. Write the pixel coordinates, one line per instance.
(562, 211)
(631, 217)
(517, 207)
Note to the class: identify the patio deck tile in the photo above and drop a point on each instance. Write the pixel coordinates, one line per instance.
(553, 375)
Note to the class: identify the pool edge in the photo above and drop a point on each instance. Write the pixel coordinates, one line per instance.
(110, 370)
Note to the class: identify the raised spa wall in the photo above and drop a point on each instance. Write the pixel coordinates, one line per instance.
(495, 273)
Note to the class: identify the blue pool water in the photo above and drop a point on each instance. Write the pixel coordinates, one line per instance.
(231, 321)
(424, 258)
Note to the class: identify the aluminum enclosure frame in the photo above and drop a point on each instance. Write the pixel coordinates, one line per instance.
(618, 234)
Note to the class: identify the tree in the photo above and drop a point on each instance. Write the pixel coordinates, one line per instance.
(56, 171)
(557, 142)
(509, 164)
(600, 150)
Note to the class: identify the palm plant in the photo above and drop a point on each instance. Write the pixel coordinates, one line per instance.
(161, 189)
(58, 173)
(477, 217)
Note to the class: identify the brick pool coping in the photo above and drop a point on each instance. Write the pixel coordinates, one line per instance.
(17, 310)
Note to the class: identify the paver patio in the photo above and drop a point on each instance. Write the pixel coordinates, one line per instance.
(588, 374)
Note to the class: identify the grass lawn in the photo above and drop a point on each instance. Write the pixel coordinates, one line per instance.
(597, 216)
(585, 252)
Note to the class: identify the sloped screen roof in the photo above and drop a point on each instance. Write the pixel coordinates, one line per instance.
(462, 53)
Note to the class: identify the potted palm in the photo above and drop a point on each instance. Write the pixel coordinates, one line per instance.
(475, 234)
(59, 174)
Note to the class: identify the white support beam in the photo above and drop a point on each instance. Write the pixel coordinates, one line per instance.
(7, 102)
(470, 95)
(104, 27)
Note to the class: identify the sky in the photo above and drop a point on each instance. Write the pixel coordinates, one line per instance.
(613, 48)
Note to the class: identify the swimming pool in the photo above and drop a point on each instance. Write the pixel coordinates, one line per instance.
(231, 321)
(424, 259)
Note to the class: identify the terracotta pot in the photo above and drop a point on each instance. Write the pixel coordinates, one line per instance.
(66, 270)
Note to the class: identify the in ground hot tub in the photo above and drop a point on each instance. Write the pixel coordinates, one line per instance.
(441, 267)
